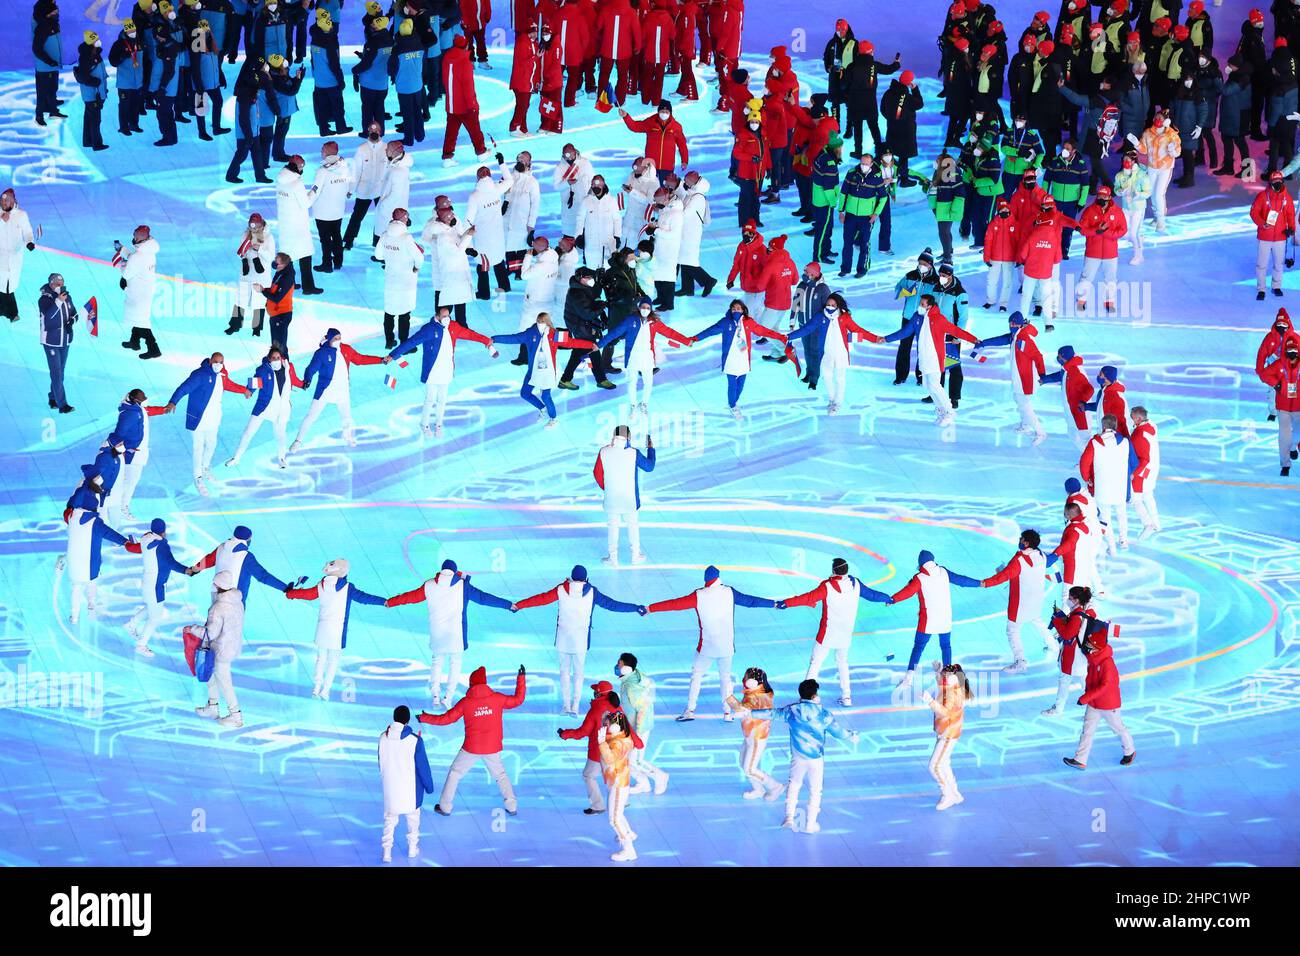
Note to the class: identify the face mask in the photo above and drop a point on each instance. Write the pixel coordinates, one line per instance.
(1065, 154)
(630, 263)
(1004, 213)
(643, 255)
(751, 684)
(1276, 187)
(1292, 356)
(589, 282)
(218, 366)
(1128, 164)
(1203, 61)
(373, 137)
(598, 191)
(923, 268)
(865, 167)
(831, 311)
(663, 117)
(1020, 124)
(1188, 82)
(277, 364)
(734, 315)
(644, 310)
(945, 280)
(130, 36)
(754, 127)
(336, 343)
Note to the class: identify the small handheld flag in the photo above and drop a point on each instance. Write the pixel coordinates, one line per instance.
(91, 309)
(253, 384)
(390, 382)
(244, 246)
(606, 101)
(118, 258)
(793, 357)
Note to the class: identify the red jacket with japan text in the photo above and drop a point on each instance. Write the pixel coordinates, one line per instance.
(1001, 240)
(482, 709)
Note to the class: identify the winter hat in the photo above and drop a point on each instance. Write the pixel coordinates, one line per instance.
(602, 687)
(907, 78)
(961, 44)
(814, 268)
(987, 50)
(924, 558)
(1003, 204)
(644, 300)
(1066, 352)
(1280, 41)
(1072, 486)
(243, 533)
(925, 256)
(448, 565)
(329, 335)
(224, 581)
(460, 42)
(406, 28)
(89, 36)
(1046, 48)
(1067, 33)
(1041, 16)
(478, 676)
(866, 47)
(839, 566)
(711, 574)
(777, 243)
(1284, 315)
(785, 64)
(338, 568)
(1195, 8)
(1181, 33)
(777, 52)
(1015, 319)
(158, 526)
(89, 472)
(275, 61)
(1096, 28)
(1256, 16)
(841, 25)
(740, 76)
(665, 105)
(750, 226)
(1110, 372)
(579, 573)
(995, 27)
(1162, 24)
(945, 268)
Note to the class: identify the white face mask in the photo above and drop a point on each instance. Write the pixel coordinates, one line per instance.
(622, 670)
(644, 310)
(831, 311)
(1020, 124)
(444, 320)
(99, 44)
(589, 282)
(277, 364)
(750, 683)
(663, 117)
(754, 127)
(217, 367)
(1188, 82)
(336, 343)
(131, 36)
(1203, 61)
(1065, 154)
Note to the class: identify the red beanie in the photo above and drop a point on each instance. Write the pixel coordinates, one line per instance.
(1046, 48)
(907, 78)
(479, 676)
(1181, 33)
(1256, 16)
(961, 43)
(866, 47)
(1280, 41)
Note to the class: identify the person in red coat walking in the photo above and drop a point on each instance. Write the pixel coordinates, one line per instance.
(686, 49)
(618, 39)
(1272, 349)
(777, 127)
(482, 709)
(603, 701)
(1001, 248)
(461, 101)
(525, 77)
(1284, 377)
(779, 277)
(572, 34)
(658, 36)
(474, 17)
(747, 265)
(727, 23)
(1104, 224)
(1077, 390)
(1273, 214)
(1101, 696)
(664, 138)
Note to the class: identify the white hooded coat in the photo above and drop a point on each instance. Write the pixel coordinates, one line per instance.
(600, 224)
(249, 298)
(402, 258)
(368, 165)
(140, 274)
(292, 219)
(15, 233)
(396, 192)
(225, 625)
(572, 181)
(453, 279)
(696, 215)
(525, 202)
(483, 212)
(330, 189)
(638, 193)
(541, 274)
(668, 241)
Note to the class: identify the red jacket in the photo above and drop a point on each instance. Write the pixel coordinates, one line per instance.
(753, 158)
(727, 23)
(591, 725)
(475, 14)
(657, 36)
(663, 141)
(571, 32)
(810, 137)
(1077, 391)
(688, 20)
(526, 72)
(1001, 240)
(458, 81)
(1115, 402)
(1283, 210)
(1101, 686)
(619, 30)
(779, 277)
(523, 14)
(1271, 347)
(1284, 377)
(748, 264)
(1040, 246)
(1028, 358)
(482, 709)
(1075, 530)
(1025, 205)
(1142, 438)
(776, 122)
(1103, 243)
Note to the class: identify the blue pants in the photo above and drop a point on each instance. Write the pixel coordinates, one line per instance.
(857, 236)
(918, 646)
(57, 358)
(735, 385)
(812, 355)
(1070, 209)
(528, 394)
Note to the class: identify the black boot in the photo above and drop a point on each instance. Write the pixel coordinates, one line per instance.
(151, 345)
(133, 343)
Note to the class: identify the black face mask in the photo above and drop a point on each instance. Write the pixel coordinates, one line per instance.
(1293, 356)
(374, 137)
(1004, 213)
(1276, 187)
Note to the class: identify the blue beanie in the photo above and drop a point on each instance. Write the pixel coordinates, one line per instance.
(1111, 373)
(1072, 486)
(243, 533)
(924, 557)
(1066, 352)
(158, 526)
(114, 438)
(711, 574)
(89, 471)
(645, 300)
(329, 334)
(579, 573)
(1016, 319)
(449, 565)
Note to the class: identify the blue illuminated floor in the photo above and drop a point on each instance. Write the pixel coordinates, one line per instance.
(1208, 646)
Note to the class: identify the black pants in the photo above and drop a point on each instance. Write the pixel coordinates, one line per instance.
(903, 360)
(372, 107)
(812, 355)
(130, 103)
(230, 45)
(280, 331)
(166, 113)
(277, 140)
(403, 328)
(694, 274)
(237, 320)
(1208, 149)
(868, 116)
(359, 210)
(327, 105)
(955, 377)
(503, 280)
(1098, 173)
(215, 101)
(91, 115)
(47, 93)
(305, 277)
(747, 200)
(411, 108)
(1228, 143)
(598, 365)
(664, 295)
(457, 310)
(143, 336)
(978, 208)
(9, 306)
(885, 222)
(330, 232)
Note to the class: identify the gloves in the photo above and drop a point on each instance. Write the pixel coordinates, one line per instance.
(600, 736)
(521, 670)
(121, 283)
(1196, 133)
(1132, 139)
(31, 247)
(781, 605)
(501, 159)
(642, 610)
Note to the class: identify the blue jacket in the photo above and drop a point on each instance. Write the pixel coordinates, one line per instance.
(1134, 104)
(810, 724)
(197, 390)
(429, 338)
(530, 338)
(1233, 104)
(407, 66)
(97, 535)
(47, 48)
(109, 467)
(92, 77)
(130, 75)
(268, 108)
(209, 70)
(130, 427)
(726, 327)
(372, 71)
(167, 563)
(326, 71)
(57, 318)
(627, 330)
(265, 376)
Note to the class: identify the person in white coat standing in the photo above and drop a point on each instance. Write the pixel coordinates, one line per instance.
(572, 178)
(523, 203)
(329, 193)
(484, 213)
(157, 567)
(599, 225)
(453, 280)
(293, 221)
(668, 228)
(696, 217)
(617, 473)
(405, 777)
(224, 631)
(638, 193)
(540, 272)
(139, 273)
(396, 191)
(256, 253)
(367, 182)
(402, 258)
(1104, 465)
(334, 595)
(16, 239)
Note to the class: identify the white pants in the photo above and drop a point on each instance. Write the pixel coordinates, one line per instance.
(819, 655)
(805, 768)
(1269, 251)
(935, 388)
(435, 404)
(205, 445)
(571, 677)
(412, 830)
(461, 765)
(643, 769)
(327, 664)
(697, 675)
(221, 686)
(1091, 715)
(615, 520)
(280, 424)
(646, 378)
(1104, 516)
(1145, 503)
(618, 822)
(86, 591)
(151, 614)
(1013, 637)
(129, 479)
(1135, 211)
(834, 375)
(1025, 406)
(751, 758)
(1288, 434)
(773, 318)
(1159, 186)
(1081, 436)
(435, 677)
(1001, 280)
(754, 302)
(1047, 291)
(1109, 272)
(591, 776)
(941, 765)
(318, 405)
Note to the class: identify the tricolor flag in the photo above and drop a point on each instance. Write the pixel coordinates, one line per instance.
(606, 101)
(91, 309)
(390, 382)
(252, 384)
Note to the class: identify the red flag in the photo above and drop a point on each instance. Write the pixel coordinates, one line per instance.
(244, 246)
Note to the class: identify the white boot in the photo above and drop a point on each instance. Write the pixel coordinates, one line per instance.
(624, 855)
(200, 485)
(775, 791)
(143, 650)
(945, 802)
(907, 679)
(210, 709)
(812, 826)
(1017, 666)
(235, 719)
(232, 462)
(413, 850)
(388, 855)
(754, 792)
(661, 783)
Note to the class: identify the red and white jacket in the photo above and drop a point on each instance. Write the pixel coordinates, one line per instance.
(1028, 365)
(458, 81)
(657, 35)
(475, 14)
(1078, 390)
(1275, 206)
(1026, 575)
(1001, 240)
(933, 593)
(571, 32)
(1103, 244)
(620, 30)
(1101, 686)
(1077, 546)
(1104, 466)
(748, 262)
(1146, 447)
(1270, 350)
(1113, 401)
(1284, 377)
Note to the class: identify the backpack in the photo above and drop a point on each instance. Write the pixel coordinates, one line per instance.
(1107, 126)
